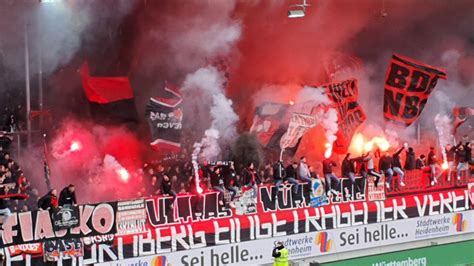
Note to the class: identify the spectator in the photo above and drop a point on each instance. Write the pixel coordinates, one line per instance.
(468, 147)
(217, 182)
(385, 165)
(421, 162)
(329, 175)
(348, 169)
(435, 170)
(371, 168)
(23, 184)
(49, 201)
(303, 171)
(397, 165)
(290, 176)
(461, 161)
(166, 189)
(68, 196)
(251, 178)
(410, 161)
(231, 181)
(450, 157)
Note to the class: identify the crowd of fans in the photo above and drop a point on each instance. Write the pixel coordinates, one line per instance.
(13, 182)
(177, 176)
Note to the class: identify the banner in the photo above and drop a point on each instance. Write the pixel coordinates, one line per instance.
(269, 118)
(198, 224)
(131, 217)
(407, 87)
(319, 243)
(36, 226)
(461, 114)
(65, 217)
(299, 124)
(344, 97)
(35, 249)
(55, 250)
(165, 118)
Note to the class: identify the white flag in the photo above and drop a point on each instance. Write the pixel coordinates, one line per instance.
(299, 124)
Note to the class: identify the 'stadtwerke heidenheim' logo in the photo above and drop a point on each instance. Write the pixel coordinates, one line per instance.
(324, 242)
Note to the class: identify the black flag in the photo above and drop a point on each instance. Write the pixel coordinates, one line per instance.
(165, 116)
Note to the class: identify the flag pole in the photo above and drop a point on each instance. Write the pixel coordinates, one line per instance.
(281, 154)
(47, 172)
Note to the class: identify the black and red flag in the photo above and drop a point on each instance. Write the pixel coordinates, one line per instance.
(111, 99)
(461, 114)
(408, 85)
(344, 96)
(165, 118)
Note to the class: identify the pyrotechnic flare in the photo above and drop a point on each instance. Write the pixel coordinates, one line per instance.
(75, 146)
(194, 160)
(443, 126)
(111, 164)
(123, 174)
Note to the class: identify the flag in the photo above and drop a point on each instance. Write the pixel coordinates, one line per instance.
(461, 114)
(408, 86)
(298, 126)
(47, 172)
(165, 117)
(111, 99)
(269, 122)
(344, 96)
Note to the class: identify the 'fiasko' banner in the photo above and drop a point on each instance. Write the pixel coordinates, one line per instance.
(407, 87)
(344, 96)
(165, 118)
(319, 243)
(36, 226)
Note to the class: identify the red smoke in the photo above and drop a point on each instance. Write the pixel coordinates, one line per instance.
(79, 151)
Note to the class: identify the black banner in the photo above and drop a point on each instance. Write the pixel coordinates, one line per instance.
(344, 97)
(65, 218)
(165, 116)
(407, 87)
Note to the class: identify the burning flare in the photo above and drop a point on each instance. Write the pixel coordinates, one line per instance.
(75, 146)
(123, 174)
(360, 145)
(328, 151)
(290, 102)
(445, 165)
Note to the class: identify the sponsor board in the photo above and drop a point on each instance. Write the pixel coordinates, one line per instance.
(317, 243)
